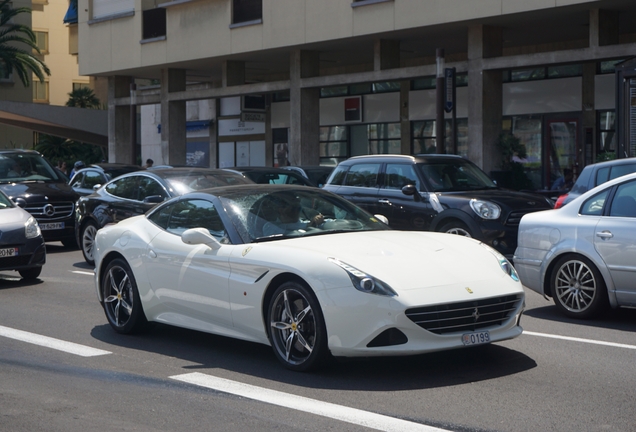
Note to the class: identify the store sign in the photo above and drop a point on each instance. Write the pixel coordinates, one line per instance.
(449, 89)
(353, 109)
(252, 117)
(235, 126)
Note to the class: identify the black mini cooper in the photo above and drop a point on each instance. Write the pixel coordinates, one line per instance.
(445, 193)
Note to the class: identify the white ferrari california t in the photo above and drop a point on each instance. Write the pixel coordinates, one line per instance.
(306, 272)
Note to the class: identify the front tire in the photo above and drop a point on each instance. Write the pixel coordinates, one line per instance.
(296, 327)
(87, 241)
(30, 274)
(121, 300)
(457, 228)
(578, 289)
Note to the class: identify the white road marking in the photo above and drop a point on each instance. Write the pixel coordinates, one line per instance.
(300, 403)
(49, 342)
(83, 273)
(589, 341)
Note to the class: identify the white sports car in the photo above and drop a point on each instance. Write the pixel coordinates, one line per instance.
(333, 280)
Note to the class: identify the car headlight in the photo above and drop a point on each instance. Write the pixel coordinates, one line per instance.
(31, 228)
(505, 265)
(485, 209)
(365, 282)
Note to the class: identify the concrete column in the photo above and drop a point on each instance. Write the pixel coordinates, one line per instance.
(485, 108)
(405, 124)
(173, 118)
(386, 54)
(603, 28)
(119, 121)
(214, 143)
(233, 73)
(587, 151)
(304, 124)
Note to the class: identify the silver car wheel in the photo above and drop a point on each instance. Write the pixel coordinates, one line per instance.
(296, 328)
(88, 242)
(457, 228)
(575, 286)
(121, 300)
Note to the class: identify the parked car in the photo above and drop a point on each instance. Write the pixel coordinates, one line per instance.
(583, 255)
(35, 185)
(21, 243)
(317, 174)
(137, 192)
(444, 193)
(349, 286)
(87, 180)
(597, 174)
(271, 175)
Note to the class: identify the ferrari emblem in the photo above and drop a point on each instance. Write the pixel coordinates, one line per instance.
(246, 250)
(469, 290)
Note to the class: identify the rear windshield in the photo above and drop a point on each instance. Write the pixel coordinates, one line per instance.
(17, 168)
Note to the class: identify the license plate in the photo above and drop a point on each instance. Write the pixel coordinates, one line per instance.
(476, 338)
(8, 252)
(52, 226)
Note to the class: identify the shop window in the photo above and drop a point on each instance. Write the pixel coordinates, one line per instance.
(424, 140)
(334, 91)
(280, 138)
(608, 67)
(42, 42)
(40, 91)
(281, 96)
(154, 23)
(247, 11)
(606, 127)
(385, 138)
(565, 71)
(334, 145)
(385, 87)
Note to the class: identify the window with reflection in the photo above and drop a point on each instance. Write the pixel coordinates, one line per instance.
(244, 11)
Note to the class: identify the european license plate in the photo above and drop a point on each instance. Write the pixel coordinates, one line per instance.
(8, 252)
(476, 338)
(52, 226)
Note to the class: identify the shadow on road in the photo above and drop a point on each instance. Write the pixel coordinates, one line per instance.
(432, 370)
(615, 319)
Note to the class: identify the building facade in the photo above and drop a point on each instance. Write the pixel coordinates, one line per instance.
(266, 82)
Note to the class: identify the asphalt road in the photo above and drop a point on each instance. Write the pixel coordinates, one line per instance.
(62, 368)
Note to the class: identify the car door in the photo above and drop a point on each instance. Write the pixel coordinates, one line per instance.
(361, 186)
(403, 211)
(615, 241)
(190, 281)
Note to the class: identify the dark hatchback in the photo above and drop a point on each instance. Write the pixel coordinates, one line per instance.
(135, 193)
(271, 175)
(444, 193)
(35, 185)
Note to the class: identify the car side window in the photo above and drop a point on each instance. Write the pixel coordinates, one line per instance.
(124, 188)
(196, 213)
(594, 206)
(602, 175)
(399, 175)
(621, 170)
(363, 175)
(624, 202)
(339, 174)
(92, 178)
(77, 181)
(150, 187)
(162, 216)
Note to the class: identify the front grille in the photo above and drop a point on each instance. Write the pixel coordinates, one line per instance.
(15, 261)
(515, 216)
(61, 210)
(465, 316)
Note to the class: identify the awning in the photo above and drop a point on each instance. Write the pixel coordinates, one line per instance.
(71, 13)
(192, 126)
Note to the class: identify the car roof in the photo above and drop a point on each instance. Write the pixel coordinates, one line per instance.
(607, 184)
(259, 169)
(622, 161)
(399, 158)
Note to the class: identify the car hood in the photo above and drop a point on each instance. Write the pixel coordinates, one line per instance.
(436, 259)
(12, 218)
(502, 197)
(35, 192)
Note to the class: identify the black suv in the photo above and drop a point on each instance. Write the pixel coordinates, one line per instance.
(431, 192)
(35, 185)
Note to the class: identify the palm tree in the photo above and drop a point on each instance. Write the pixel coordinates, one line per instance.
(83, 97)
(12, 57)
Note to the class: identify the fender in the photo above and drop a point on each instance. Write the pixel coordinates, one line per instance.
(461, 215)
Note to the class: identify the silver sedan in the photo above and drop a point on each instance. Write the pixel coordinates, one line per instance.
(584, 254)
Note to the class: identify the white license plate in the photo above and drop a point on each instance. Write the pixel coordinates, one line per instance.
(52, 226)
(8, 252)
(476, 338)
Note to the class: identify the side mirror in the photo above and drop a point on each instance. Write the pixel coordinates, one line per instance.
(153, 199)
(20, 202)
(195, 236)
(97, 186)
(411, 190)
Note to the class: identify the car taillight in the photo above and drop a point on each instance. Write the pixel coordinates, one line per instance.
(559, 201)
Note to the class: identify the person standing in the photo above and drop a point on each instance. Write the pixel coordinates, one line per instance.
(149, 163)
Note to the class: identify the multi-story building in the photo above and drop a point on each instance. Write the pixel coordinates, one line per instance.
(262, 82)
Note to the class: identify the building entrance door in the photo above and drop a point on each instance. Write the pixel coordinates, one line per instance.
(560, 163)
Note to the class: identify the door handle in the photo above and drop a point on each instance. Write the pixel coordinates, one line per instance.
(604, 234)
(384, 201)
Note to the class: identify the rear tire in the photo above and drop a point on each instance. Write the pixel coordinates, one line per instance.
(578, 289)
(87, 240)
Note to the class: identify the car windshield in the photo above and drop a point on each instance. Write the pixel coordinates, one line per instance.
(24, 167)
(280, 214)
(5, 202)
(454, 175)
(184, 182)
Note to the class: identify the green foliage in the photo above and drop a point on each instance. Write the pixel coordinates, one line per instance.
(83, 97)
(605, 156)
(515, 176)
(57, 149)
(13, 58)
